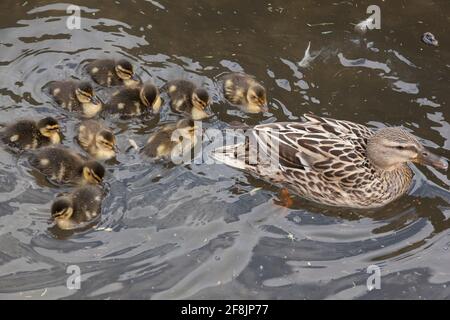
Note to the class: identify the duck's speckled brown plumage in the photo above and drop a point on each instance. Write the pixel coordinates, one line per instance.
(324, 160)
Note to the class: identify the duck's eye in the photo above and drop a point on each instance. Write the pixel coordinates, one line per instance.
(400, 147)
(425, 154)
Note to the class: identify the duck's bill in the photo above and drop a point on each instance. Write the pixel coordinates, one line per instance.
(430, 159)
(264, 108)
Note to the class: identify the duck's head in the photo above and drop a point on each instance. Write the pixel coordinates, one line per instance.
(149, 95)
(62, 208)
(85, 94)
(256, 96)
(125, 71)
(49, 128)
(106, 141)
(390, 148)
(200, 103)
(93, 172)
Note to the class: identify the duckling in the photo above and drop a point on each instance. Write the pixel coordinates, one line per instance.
(77, 96)
(109, 72)
(135, 101)
(77, 208)
(244, 91)
(63, 166)
(96, 140)
(28, 134)
(172, 140)
(185, 97)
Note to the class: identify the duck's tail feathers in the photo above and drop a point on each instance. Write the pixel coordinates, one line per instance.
(232, 155)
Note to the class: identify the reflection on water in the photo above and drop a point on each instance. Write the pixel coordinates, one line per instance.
(208, 231)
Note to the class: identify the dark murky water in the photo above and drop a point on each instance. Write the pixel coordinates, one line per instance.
(197, 231)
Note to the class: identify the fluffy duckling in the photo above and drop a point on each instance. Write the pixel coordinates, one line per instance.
(172, 140)
(28, 134)
(109, 72)
(185, 97)
(96, 140)
(77, 96)
(63, 166)
(244, 91)
(135, 101)
(81, 206)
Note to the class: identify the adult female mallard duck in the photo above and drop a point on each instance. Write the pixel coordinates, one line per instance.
(244, 91)
(97, 140)
(63, 166)
(172, 140)
(334, 162)
(135, 101)
(187, 98)
(74, 210)
(28, 134)
(76, 96)
(109, 72)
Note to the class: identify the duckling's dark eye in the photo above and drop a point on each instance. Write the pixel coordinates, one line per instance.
(425, 154)
(400, 147)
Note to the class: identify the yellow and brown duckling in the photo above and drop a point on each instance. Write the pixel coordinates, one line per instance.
(186, 97)
(171, 140)
(97, 140)
(109, 72)
(76, 96)
(244, 91)
(28, 134)
(74, 210)
(135, 101)
(63, 166)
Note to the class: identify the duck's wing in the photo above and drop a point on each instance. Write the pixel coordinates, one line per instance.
(322, 145)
